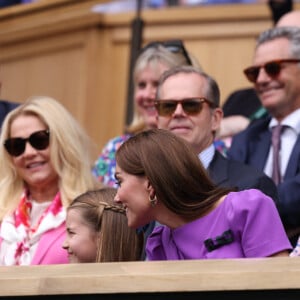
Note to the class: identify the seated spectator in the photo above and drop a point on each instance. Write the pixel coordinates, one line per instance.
(154, 59)
(161, 179)
(188, 105)
(275, 74)
(44, 163)
(244, 106)
(97, 230)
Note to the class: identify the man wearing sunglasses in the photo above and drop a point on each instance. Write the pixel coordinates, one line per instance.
(188, 105)
(275, 74)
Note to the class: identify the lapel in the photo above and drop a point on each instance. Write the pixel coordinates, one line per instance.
(259, 149)
(218, 169)
(294, 161)
(46, 241)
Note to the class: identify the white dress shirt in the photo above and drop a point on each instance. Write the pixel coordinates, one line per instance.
(288, 139)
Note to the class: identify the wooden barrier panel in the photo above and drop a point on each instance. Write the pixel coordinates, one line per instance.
(268, 278)
(63, 49)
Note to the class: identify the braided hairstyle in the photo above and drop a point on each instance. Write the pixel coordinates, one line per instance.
(116, 241)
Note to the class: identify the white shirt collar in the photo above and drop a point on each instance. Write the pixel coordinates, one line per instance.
(292, 121)
(207, 155)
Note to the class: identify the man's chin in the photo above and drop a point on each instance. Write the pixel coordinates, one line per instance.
(181, 131)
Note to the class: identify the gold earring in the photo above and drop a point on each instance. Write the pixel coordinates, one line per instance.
(153, 201)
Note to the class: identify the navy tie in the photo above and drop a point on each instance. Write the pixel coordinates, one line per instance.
(276, 133)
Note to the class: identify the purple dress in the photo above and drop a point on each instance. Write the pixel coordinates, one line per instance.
(245, 224)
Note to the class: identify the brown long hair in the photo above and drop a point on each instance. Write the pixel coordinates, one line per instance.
(173, 169)
(116, 242)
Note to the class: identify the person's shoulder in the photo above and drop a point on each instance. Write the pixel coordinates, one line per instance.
(238, 171)
(255, 128)
(116, 141)
(251, 173)
(5, 108)
(120, 138)
(244, 168)
(247, 172)
(8, 105)
(248, 199)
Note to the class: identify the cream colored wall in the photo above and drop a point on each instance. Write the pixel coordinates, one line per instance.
(62, 49)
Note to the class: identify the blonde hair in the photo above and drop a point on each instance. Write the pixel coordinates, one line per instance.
(70, 153)
(153, 57)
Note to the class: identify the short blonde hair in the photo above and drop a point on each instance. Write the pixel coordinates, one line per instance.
(70, 153)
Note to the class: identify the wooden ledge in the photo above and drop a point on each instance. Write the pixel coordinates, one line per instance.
(33, 20)
(149, 277)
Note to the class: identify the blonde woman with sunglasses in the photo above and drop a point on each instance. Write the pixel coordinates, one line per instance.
(44, 164)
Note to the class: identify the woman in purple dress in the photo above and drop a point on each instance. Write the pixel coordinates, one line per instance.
(161, 179)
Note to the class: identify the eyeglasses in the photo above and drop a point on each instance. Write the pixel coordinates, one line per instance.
(272, 68)
(191, 106)
(38, 140)
(175, 46)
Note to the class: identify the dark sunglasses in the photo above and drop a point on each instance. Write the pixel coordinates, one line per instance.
(175, 46)
(191, 106)
(272, 68)
(38, 140)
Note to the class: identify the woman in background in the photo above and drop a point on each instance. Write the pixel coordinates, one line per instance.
(44, 163)
(154, 59)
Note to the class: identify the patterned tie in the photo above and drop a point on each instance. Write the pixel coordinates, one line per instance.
(276, 133)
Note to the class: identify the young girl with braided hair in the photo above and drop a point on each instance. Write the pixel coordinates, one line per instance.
(97, 230)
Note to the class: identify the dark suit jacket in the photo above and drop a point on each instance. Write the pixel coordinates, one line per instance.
(251, 146)
(5, 108)
(234, 174)
(5, 3)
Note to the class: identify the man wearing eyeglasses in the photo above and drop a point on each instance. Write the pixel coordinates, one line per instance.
(188, 105)
(275, 74)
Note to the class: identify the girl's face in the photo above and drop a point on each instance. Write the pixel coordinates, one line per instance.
(145, 90)
(33, 166)
(81, 239)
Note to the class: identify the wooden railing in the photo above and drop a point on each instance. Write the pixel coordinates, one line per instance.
(267, 278)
